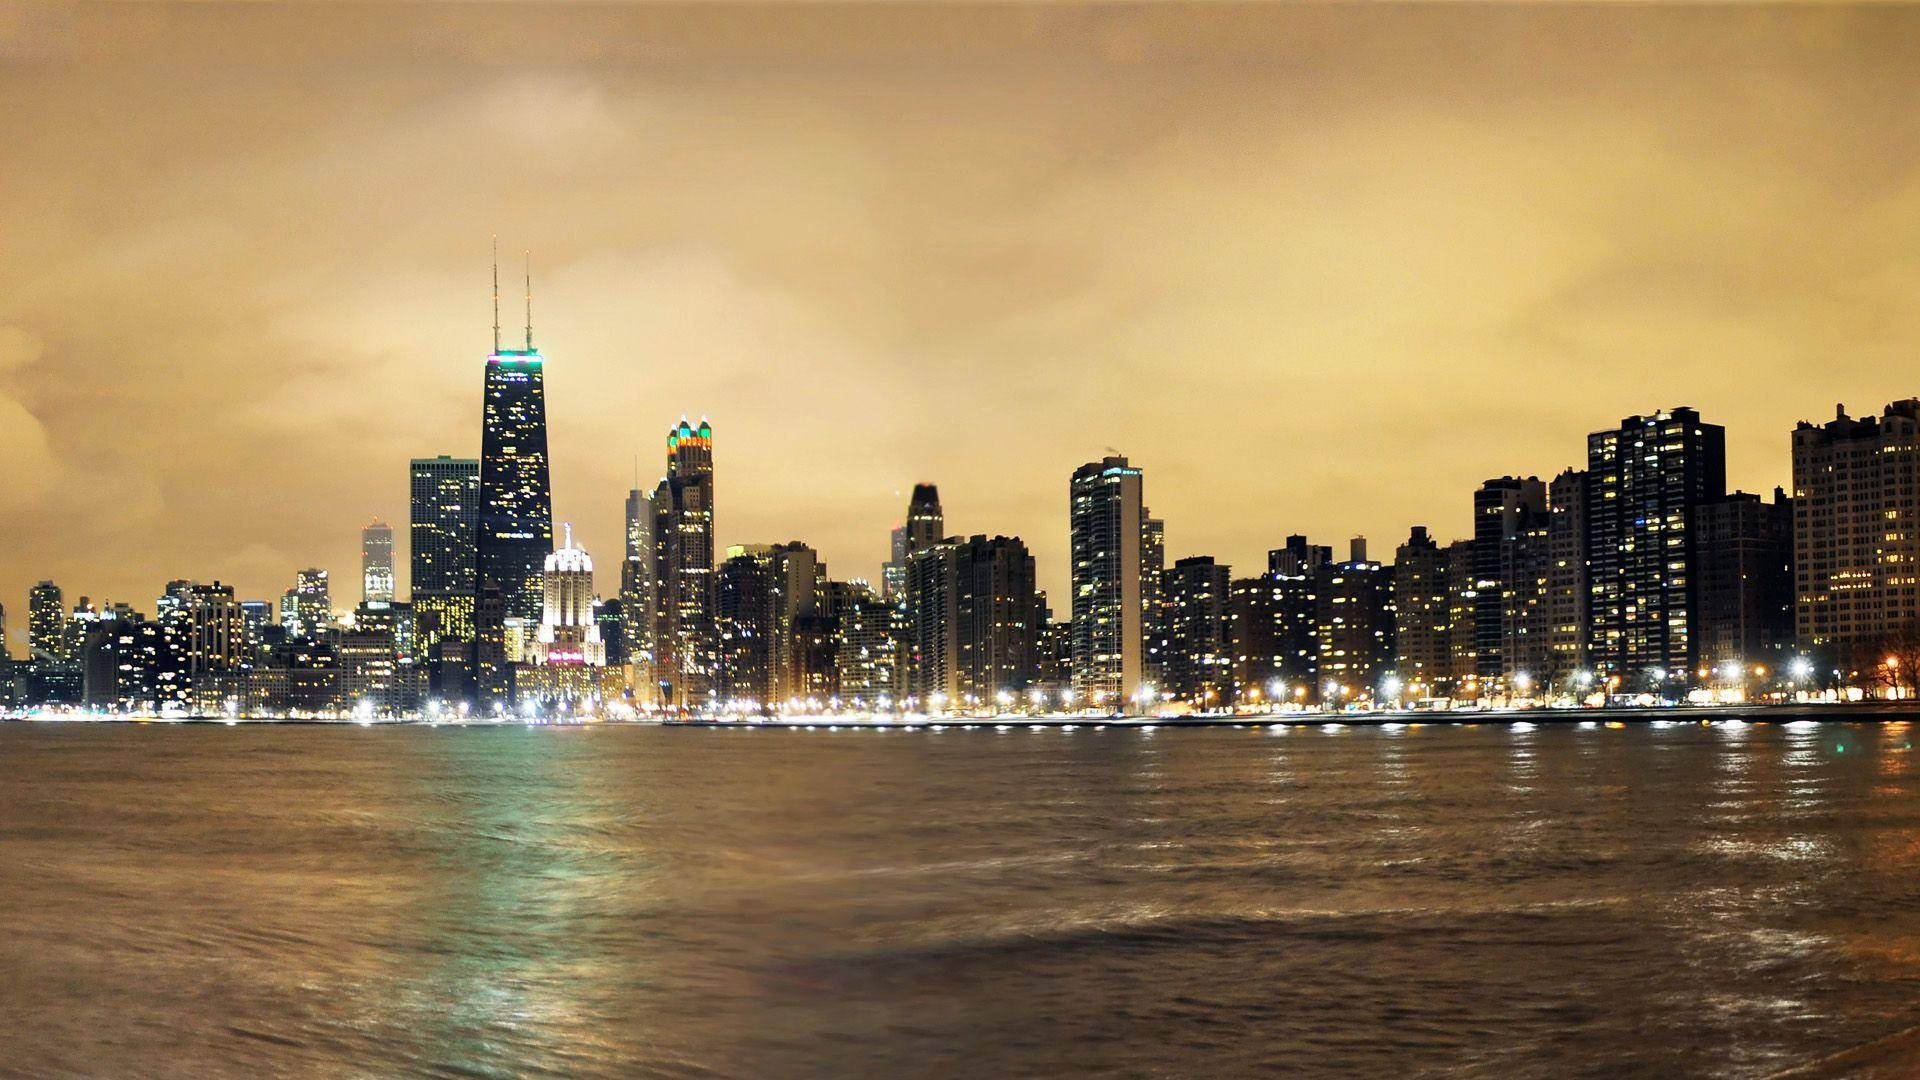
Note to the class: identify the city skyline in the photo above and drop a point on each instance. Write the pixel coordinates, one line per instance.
(1481, 330)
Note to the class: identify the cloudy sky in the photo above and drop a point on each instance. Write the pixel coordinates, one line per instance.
(1316, 269)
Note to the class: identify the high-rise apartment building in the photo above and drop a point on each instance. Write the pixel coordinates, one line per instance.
(744, 614)
(1509, 539)
(972, 606)
(925, 526)
(1422, 620)
(1107, 534)
(1856, 533)
(1354, 627)
(1566, 579)
(313, 602)
(1198, 618)
(1744, 592)
(1644, 480)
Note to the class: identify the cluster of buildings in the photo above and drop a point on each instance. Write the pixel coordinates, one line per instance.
(1635, 575)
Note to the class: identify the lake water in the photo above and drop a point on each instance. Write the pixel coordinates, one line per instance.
(1659, 901)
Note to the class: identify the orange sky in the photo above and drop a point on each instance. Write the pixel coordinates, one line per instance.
(1315, 269)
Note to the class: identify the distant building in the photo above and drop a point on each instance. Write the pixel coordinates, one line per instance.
(376, 564)
(972, 606)
(925, 526)
(567, 651)
(872, 628)
(1422, 627)
(1276, 651)
(313, 602)
(46, 620)
(744, 607)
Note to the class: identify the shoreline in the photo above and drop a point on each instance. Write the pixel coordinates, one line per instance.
(1814, 712)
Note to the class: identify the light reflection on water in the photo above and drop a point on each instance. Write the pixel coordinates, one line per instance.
(1479, 900)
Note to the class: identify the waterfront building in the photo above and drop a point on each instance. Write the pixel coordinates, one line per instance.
(1298, 558)
(799, 581)
(1199, 658)
(1744, 592)
(972, 605)
(567, 652)
(1353, 627)
(638, 589)
(1567, 622)
(868, 659)
(213, 642)
(744, 612)
(1509, 537)
(925, 526)
(516, 494)
(1108, 532)
(1644, 480)
(1856, 535)
(1422, 620)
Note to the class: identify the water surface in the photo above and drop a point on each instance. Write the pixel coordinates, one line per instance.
(1660, 901)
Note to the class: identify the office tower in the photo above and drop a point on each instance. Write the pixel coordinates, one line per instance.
(1463, 648)
(1567, 580)
(1856, 536)
(1644, 480)
(443, 532)
(6, 650)
(1422, 628)
(744, 603)
(133, 665)
(313, 602)
(1506, 511)
(1298, 558)
(1107, 528)
(256, 616)
(893, 573)
(1744, 565)
(971, 606)
(799, 592)
(376, 564)
(868, 658)
(46, 618)
(638, 587)
(516, 494)
(375, 675)
(568, 632)
(610, 617)
(492, 672)
(1353, 625)
(926, 526)
(289, 612)
(214, 644)
(1526, 565)
(686, 641)
(1199, 658)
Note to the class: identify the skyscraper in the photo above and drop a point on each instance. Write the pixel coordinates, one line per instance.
(1354, 626)
(46, 617)
(1507, 513)
(926, 526)
(972, 606)
(1644, 480)
(568, 632)
(1421, 627)
(376, 564)
(1567, 578)
(1744, 588)
(638, 586)
(686, 638)
(313, 601)
(516, 495)
(1107, 527)
(744, 612)
(443, 531)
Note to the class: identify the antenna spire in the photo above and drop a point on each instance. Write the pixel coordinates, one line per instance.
(496, 293)
(529, 301)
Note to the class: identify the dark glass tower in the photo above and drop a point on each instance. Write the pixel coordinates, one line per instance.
(516, 497)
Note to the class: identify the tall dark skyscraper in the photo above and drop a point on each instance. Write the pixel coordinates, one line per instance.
(516, 495)
(926, 526)
(444, 497)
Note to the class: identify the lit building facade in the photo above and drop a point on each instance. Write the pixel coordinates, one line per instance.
(686, 635)
(516, 493)
(443, 534)
(1856, 537)
(1644, 479)
(376, 564)
(1107, 534)
(1197, 666)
